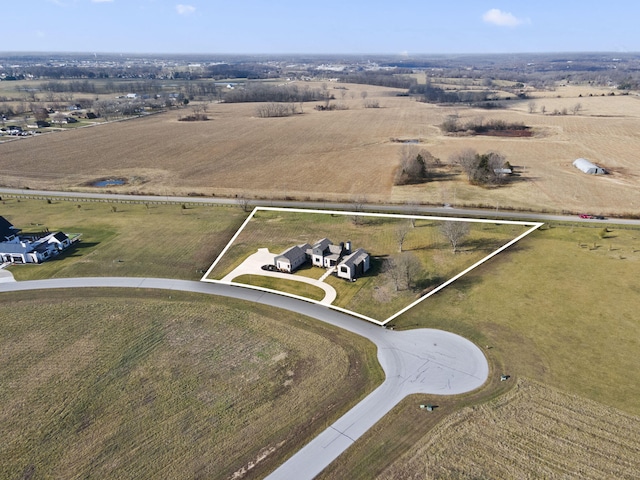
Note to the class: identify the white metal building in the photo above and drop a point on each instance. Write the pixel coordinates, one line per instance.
(587, 167)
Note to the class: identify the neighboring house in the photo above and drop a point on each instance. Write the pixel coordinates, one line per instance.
(7, 231)
(16, 248)
(349, 265)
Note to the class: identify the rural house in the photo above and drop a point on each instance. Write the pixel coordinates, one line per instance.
(349, 265)
(354, 265)
(292, 258)
(32, 248)
(587, 167)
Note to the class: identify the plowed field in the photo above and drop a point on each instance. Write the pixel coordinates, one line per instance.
(532, 432)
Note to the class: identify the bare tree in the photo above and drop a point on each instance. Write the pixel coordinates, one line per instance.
(40, 114)
(413, 205)
(413, 165)
(275, 109)
(532, 107)
(403, 269)
(480, 169)
(243, 202)
(543, 109)
(59, 118)
(576, 108)
(401, 233)
(358, 204)
(467, 161)
(454, 232)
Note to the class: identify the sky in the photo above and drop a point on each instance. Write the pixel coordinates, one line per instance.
(405, 27)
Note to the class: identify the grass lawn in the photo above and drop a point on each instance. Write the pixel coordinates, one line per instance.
(559, 309)
(375, 294)
(142, 384)
(287, 286)
(136, 240)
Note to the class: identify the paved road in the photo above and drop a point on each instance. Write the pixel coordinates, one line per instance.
(374, 207)
(416, 361)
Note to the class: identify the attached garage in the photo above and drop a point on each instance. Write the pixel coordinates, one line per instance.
(587, 167)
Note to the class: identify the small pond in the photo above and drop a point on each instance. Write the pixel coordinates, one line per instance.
(110, 182)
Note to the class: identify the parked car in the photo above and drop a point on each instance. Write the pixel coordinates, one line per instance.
(584, 215)
(269, 268)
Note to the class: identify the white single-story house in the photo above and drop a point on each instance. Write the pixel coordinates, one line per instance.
(16, 248)
(292, 258)
(587, 167)
(354, 265)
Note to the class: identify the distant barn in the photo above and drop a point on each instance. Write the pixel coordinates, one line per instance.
(587, 167)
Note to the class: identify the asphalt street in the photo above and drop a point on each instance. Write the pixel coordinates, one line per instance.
(415, 361)
(374, 207)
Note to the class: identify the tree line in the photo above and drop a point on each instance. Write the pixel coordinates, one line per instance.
(391, 79)
(431, 94)
(261, 92)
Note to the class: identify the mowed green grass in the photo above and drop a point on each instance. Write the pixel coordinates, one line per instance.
(374, 294)
(287, 286)
(559, 308)
(155, 240)
(562, 308)
(137, 384)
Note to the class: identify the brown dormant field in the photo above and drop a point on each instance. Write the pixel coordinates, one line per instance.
(534, 431)
(349, 154)
(138, 384)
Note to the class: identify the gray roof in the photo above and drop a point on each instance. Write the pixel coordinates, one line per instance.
(357, 257)
(322, 244)
(60, 236)
(7, 247)
(7, 229)
(292, 253)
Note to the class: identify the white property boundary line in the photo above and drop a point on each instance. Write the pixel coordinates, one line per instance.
(534, 226)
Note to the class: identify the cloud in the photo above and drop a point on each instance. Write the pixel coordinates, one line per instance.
(101, 1)
(185, 9)
(502, 19)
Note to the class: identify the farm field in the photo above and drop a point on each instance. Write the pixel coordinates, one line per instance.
(151, 384)
(534, 431)
(157, 240)
(379, 293)
(350, 154)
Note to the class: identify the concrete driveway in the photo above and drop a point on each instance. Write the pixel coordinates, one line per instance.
(252, 266)
(5, 275)
(415, 361)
